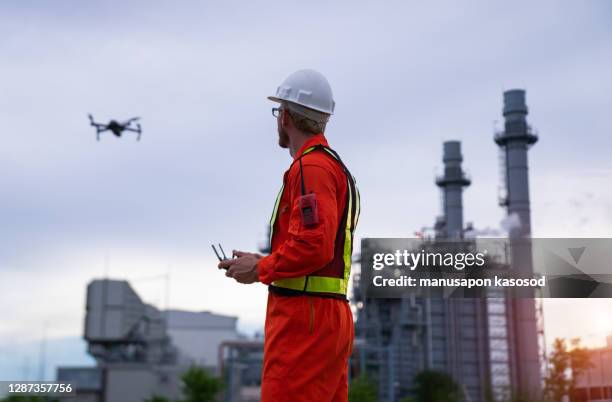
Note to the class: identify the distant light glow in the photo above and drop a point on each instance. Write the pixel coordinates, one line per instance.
(603, 322)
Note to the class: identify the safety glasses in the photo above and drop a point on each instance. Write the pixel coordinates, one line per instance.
(276, 111)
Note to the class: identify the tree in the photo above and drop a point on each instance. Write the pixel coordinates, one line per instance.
(565, 366)
(435, 386)
(556, 383)
(362, 389)
(157, 398)
(200, 386)
(579, 362)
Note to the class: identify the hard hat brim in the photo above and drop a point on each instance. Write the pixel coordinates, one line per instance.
(279, 100)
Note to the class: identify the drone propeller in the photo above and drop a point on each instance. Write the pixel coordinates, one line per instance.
(129, 121)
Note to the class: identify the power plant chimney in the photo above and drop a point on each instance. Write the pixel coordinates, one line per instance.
(514, 141)
(451, 182)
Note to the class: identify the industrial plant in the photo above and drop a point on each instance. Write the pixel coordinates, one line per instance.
(488, 345)
(141, 351)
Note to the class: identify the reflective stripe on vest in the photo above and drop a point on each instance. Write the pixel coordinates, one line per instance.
(324, 284)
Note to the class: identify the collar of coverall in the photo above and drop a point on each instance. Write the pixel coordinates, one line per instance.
(317, 139)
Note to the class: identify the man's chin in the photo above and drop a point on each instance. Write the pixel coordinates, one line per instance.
(283, 143)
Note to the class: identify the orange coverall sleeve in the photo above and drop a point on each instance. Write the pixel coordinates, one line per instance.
(307, 248)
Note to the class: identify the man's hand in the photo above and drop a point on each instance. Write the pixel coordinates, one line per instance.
(244, 268)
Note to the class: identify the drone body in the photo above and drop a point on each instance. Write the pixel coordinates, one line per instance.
(116, 127)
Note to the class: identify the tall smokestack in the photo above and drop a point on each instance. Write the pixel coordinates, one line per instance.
(514, 141)
(451, 182)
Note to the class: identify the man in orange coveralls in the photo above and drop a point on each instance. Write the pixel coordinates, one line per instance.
(309, 325)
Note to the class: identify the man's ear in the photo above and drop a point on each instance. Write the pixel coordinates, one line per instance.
(285, 118)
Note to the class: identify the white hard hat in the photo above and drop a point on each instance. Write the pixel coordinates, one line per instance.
(308, 88)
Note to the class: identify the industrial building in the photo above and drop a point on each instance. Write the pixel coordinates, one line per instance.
(595, 384)
(240, 367)
(199, 335)
(489, 345)
(141, 351)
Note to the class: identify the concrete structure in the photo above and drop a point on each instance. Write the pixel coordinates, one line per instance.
(514, 141)
(120, 327)
(595, 384)
(198, 335)
(240, 367)
(141, 351)
(88, 382)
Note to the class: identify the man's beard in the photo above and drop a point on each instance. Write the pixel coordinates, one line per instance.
(283, 139)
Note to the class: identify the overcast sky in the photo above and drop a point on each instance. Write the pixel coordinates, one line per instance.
(406, 76)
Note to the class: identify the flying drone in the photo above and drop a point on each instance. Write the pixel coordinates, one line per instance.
(116, 127)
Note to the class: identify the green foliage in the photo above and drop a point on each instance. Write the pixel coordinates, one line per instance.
(407, 399)
(200, 386)
(435, 386)
(157, 398)
(362, 389)
(556, 383)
